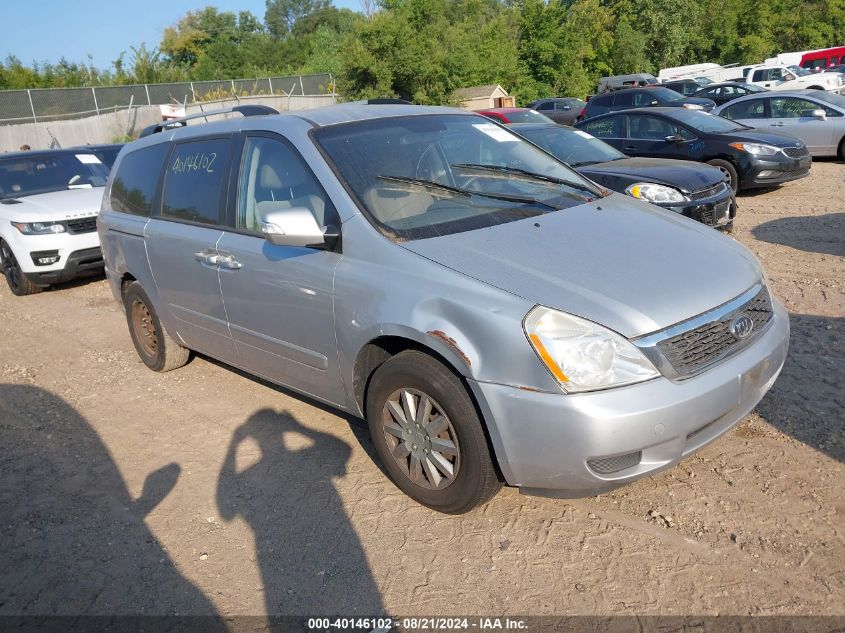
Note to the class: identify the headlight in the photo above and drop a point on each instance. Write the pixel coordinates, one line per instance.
(39, 228)
(661, 194)
(693, 106)
(758, 149)
(584, 356)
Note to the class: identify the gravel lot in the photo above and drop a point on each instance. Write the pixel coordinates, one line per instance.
(207, 491)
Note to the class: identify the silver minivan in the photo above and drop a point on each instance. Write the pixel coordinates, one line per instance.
(495, 317)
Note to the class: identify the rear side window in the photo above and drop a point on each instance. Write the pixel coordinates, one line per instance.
(134, 185)
(609, 127)
(624, 99)
(751, 109)
(193, 181)
(602, 101)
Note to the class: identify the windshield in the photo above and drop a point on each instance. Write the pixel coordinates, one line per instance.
(801, 72)
(830, 97)
(423, 176)
(705, 123)
(526, 116)
(665, 94)
(573, 147)
(29, 175)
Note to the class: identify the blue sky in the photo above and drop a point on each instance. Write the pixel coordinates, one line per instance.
(51, 29)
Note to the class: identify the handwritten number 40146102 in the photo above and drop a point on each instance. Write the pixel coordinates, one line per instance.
(195, 162)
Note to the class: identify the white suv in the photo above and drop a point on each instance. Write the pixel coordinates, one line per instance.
(781, 77)
(49, 202)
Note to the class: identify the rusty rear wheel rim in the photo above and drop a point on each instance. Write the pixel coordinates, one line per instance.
(145, 331)
(421, 439)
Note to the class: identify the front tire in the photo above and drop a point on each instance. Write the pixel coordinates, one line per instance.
(727, 168)
(18, 283)
(428, 435)
(157, 349)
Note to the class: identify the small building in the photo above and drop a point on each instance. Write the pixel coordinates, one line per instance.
(483, 97)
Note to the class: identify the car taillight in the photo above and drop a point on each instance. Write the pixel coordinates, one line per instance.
(583, 113)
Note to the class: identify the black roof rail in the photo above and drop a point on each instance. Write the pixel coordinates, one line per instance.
(245, 110)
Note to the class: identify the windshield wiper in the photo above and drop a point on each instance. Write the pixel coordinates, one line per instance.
(465, 193)
(584, 163)
(524, 174)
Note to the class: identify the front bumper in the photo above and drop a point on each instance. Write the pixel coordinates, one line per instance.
(545, 440)
(774, 170)
(718, 212)
(81, 263)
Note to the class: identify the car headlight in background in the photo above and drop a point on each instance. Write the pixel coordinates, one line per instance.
(39, 228)
(758, 149)
(653, 192)
(582, 355)
(693, 106)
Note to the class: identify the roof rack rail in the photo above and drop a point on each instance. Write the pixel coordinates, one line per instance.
(245, 110)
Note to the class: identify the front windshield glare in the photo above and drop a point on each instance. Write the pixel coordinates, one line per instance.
(573, 147)
(706, 123)
(30, 175)
(423, 176)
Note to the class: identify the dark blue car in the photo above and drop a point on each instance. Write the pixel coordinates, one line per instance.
(644, 98)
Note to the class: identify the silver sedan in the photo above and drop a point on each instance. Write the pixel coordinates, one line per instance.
(816, 117)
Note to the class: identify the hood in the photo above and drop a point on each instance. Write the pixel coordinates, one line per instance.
(755, 135)
(55, 205)
(686, 175)
(620, 262)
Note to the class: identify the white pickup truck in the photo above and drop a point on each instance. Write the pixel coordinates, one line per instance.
(782, 77)
(49, 202)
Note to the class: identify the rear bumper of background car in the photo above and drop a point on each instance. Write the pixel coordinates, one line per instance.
(583, 444)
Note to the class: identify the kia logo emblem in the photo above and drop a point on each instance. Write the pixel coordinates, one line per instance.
(741, 326)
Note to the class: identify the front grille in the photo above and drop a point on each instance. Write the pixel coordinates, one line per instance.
(707, 217)
(610, 465)
(708, 192)
(82, 225)
(697, 349)
(796, 152)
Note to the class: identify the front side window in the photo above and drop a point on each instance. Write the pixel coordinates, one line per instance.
(642, 99)
(194, 179)
(423, 176)
(135, 182)
(31, 175)
(791, 107)
(548, 105)
(643, 126)
(273, 177)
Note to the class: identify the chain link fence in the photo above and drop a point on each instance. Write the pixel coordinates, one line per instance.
(56, 104)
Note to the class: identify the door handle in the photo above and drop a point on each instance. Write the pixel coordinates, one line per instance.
(629, 147)
(229, 262)
(208, 258)
(776, 124)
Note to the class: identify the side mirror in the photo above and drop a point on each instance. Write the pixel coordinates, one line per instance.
(789, 77)
(819, 114)
(674, 138)
(295, 226)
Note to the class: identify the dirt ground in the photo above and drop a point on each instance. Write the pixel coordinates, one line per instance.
(207, 491)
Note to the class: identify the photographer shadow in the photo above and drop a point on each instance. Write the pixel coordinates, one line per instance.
(311, 560)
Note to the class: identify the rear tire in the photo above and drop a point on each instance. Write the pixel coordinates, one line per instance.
(436, 453)
(157, 349)
(19, 284)
(728, 169)
(841, 151)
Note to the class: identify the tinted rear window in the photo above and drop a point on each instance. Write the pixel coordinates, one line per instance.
(193, 181)
(134, 185)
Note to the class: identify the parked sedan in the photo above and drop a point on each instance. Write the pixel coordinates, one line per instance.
(726, 91)
(748, 157)
(515, 115)
(644, 98)
(560, 110)
(696, 191)
(817, 117)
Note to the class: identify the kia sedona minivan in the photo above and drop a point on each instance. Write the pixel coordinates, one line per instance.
(494, 316)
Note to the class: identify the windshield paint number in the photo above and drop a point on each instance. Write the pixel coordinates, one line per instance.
(196, 162)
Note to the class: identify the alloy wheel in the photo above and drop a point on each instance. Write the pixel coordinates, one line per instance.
(421, 439)
(10, 266)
